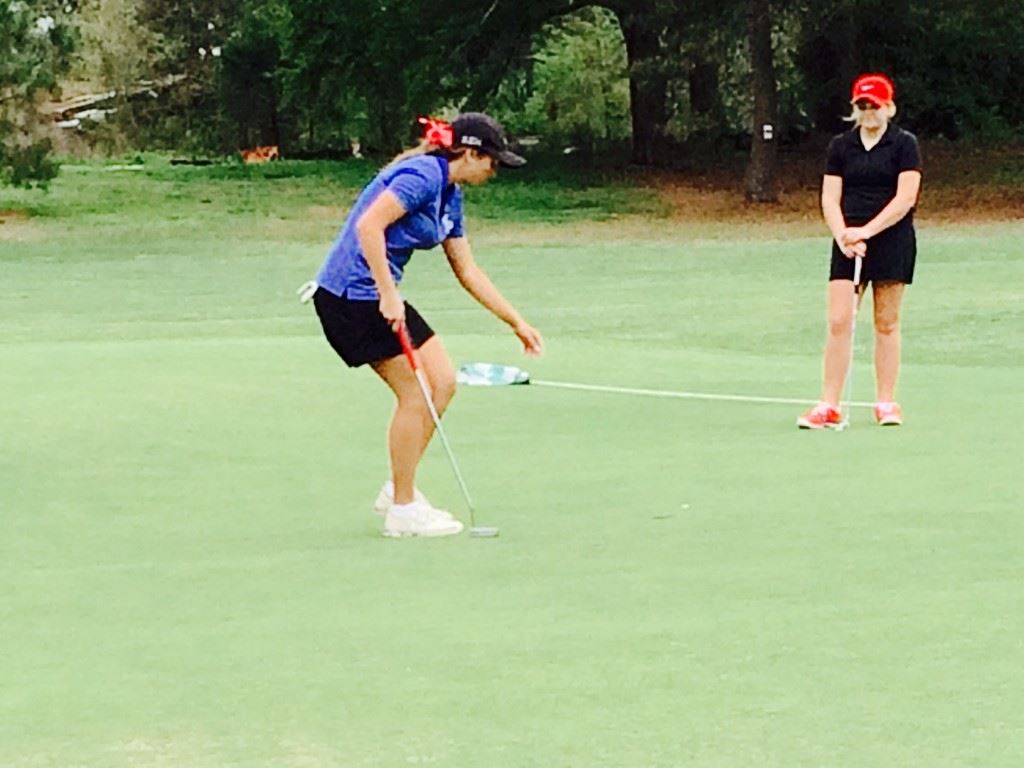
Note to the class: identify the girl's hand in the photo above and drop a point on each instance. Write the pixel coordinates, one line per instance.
(533, 344)
(852, 243)
(852, 235)
(859, 248)
(393, 309)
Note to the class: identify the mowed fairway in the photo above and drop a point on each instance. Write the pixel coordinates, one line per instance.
(190, 574)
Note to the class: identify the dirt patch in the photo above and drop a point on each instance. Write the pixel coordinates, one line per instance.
(688, 202)
(17, 227)
(960, 184)
(939, 201)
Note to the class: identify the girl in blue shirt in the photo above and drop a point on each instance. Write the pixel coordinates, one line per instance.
(415, 203)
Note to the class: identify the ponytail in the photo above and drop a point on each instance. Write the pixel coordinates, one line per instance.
(423, 148)
(438, 138)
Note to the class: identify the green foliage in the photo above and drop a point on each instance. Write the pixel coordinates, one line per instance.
(29, 165)
(188, 36)
(578, 90)
(117, 53)
(35, 46)
(249, 80)
(956, 65)
(963, 73)
(365, 67)
(315, 75)
(117, 50)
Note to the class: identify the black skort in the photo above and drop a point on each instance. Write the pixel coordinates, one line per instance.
(358, 332)
(890, 257)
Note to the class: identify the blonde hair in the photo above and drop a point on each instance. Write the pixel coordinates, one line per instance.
(857, 115)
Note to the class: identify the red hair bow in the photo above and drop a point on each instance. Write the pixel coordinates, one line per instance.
(437, 132)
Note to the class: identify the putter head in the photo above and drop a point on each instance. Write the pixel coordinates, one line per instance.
(483, 532)
(842, 426)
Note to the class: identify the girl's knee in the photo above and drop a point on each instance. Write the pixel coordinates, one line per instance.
(887, 321)
(839, 325)
(413, 406)
(444, 388)
(887, 326)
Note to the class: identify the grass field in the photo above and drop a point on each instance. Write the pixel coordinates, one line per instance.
(190, 575)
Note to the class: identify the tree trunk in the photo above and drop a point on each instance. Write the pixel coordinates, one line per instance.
(275, 127)
(761, 172)
(648, 86)
(703, 81)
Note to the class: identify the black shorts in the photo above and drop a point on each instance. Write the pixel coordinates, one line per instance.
(358, 332)
(890, 257)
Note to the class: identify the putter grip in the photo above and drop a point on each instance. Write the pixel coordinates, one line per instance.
(406, 342)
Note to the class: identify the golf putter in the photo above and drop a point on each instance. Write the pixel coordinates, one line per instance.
(480, 532)
(845, 423)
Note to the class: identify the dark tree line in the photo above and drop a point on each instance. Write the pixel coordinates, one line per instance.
(314, 75)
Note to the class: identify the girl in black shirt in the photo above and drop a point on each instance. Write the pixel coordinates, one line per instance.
(871, 184)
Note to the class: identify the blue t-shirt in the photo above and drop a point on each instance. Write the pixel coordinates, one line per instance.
(433, 213)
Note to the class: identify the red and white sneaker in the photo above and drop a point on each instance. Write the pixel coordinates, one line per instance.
(888, 414)
(820, 416)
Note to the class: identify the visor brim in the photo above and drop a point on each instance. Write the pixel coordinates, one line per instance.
(876, 100)
(510, 159)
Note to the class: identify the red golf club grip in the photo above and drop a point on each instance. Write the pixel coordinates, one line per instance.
(406, 342)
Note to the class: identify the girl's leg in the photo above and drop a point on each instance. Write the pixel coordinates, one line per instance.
(840, 300)
(888, 300)
(411, 426)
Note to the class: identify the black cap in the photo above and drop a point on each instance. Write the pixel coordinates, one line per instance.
(485, 134)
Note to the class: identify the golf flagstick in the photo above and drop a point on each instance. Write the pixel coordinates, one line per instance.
(845, 408)
(410, 355)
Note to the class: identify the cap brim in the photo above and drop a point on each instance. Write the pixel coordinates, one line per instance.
(510, 159)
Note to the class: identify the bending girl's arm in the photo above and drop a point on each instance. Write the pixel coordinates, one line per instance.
(479, 286)
(384, 211)
(908, 185)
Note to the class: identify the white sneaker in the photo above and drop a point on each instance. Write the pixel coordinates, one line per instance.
(386, 498)
(419, 519)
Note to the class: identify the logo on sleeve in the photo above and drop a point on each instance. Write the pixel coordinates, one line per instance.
(447, 225)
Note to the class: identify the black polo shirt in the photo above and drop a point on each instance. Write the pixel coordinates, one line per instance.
(870, 176)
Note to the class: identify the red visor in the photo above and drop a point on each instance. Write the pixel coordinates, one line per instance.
(877, 89)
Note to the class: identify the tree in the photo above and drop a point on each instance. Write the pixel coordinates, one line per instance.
(643, 28)
(35, 46)
(761, 178)
(251, 75)
(956, 65)
(578, 89)
(366, 68)
(116, 54)
(188, 36)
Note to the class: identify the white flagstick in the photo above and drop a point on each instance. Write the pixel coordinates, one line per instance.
(497, 375)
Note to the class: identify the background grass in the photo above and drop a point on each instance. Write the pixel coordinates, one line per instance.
(190, 574)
